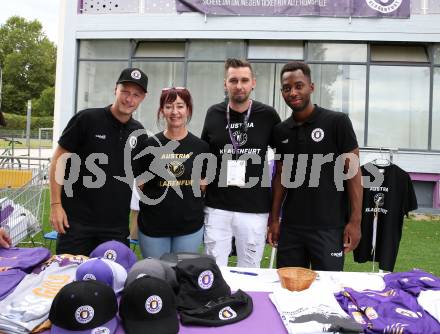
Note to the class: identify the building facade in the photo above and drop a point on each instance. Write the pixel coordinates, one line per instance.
(383, 72)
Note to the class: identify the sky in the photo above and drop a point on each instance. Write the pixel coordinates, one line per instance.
(45, 11)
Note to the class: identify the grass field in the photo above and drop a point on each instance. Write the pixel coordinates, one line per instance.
(34, 143)
(419, 247)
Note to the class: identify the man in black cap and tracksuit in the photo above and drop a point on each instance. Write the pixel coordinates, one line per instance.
(89, 205)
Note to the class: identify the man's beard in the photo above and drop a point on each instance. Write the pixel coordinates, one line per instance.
(301, 107)
(239, 99)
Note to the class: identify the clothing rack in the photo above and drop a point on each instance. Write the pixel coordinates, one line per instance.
(390, 151)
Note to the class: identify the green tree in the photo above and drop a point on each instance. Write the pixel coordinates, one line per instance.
(43, 106)
(28, 60)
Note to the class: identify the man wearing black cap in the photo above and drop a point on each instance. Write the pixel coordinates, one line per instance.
(89, 205)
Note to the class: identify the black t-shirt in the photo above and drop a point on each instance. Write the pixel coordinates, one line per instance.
(254, 142)
(94, 131)
(316, 202)
(396, 197)
(171, 214)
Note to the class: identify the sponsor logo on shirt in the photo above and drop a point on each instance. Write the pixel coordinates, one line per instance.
(132, 141)
(337, 254)
(317, 135)
(384, 6)
(84, 314)
(175, 168)
(371, 313)
(153, 304)
(101, 137)
(408, 313)
(206, 279)
(227, 313)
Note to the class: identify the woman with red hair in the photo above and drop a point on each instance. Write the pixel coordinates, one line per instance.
(171, 214)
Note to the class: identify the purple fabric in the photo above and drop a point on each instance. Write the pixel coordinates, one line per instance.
(116, 251)
(413, 281)
(330, 8)
(264, 319)
(22, 258)
(109, 328)
(95, 269)
(9, 279)
(5, 213)
(387, 311)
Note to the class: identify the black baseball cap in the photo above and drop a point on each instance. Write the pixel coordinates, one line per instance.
(148, 305)
(134, 75)
(84, 307)
(223, 311)
(200, 281)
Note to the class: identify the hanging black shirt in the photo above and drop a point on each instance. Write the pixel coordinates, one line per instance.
(398, 198)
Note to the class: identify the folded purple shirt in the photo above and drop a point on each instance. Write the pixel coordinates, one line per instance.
(22, 258)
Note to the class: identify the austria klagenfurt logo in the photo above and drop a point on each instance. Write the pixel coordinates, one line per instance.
(227, 313)
(317, 134)
(136, 74)
(84, 314)
(384, 6)
(153, 304)
(206, 278)
(175, 168)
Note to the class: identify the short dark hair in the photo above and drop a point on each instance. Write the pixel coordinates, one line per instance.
(295, 66)
(236, 63)
(169, 95)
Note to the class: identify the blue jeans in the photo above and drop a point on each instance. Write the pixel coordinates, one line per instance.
(156, 247)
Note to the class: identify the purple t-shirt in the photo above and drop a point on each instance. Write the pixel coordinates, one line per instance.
(9, 279)
(413, 281)
(387, 311)
(22, 258)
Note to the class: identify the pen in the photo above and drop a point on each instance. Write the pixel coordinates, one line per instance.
(243, 272)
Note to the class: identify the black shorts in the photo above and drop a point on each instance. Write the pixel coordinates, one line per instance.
(82, 239)
(318, 249)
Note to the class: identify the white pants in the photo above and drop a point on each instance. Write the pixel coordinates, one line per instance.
(249, 230)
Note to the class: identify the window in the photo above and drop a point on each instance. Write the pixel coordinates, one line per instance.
(205, 82)
(399, 107)
(104, 49)
(398, 53)
(342, 88)
(160, 49)
(436, 53)
(215, 50)
(337, 52)
(97, 82)
(435, 143)
(276, 50)
(160, 75)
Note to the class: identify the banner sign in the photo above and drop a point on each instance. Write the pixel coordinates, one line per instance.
(329, 8)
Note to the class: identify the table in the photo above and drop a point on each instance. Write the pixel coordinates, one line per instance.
(265, 318)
